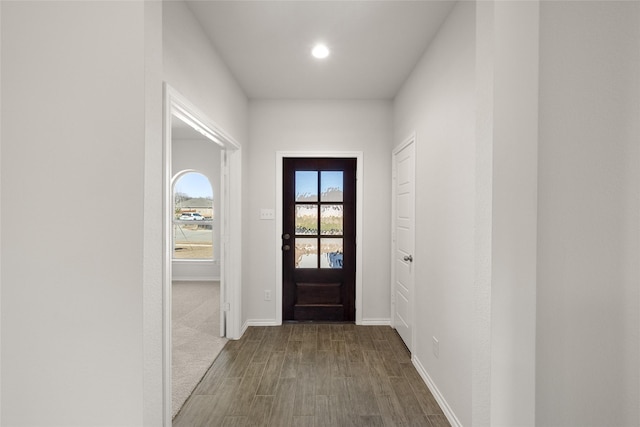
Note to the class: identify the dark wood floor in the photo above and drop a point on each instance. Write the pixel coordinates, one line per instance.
(313, 375)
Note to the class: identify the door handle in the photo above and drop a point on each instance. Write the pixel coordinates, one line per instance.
(286, 248)
(408, 258)
(286, 236)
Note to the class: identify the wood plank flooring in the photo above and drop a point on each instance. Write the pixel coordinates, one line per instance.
(338, 375)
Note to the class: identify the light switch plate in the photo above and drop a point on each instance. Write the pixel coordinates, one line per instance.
(267, 214)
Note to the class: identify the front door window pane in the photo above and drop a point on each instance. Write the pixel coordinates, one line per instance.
(331, 253)
(331, 186)
(306, 253)
(306, 186)
(331, 220)
(307, 219)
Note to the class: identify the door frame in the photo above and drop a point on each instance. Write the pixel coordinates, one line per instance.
(358, 155)
(230, 226)
(397, 149)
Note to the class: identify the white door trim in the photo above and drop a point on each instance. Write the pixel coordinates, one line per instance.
(407, 142)
(230, 225)
(358, 155)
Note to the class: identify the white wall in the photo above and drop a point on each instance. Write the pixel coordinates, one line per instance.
(506, 215)
(0, 214)
(81, 95)
(203, 156)
(589, 214)
(194, 68)
(73, 140)
(437, 103)
(319, 126)
(153, 253)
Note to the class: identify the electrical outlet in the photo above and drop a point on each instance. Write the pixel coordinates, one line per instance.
(267, 295)
(436, 347)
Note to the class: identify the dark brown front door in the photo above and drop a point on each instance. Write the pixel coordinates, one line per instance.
(319, 239)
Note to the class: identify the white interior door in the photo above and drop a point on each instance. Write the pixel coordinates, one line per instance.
(404, 239)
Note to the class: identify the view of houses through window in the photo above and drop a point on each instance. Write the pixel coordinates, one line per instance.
(193, 217)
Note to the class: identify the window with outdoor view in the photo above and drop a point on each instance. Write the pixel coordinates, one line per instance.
(193, 217)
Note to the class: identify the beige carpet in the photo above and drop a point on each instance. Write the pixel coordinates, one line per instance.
(195, 336)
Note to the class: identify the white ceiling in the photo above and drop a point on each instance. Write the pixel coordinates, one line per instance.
(374, 44)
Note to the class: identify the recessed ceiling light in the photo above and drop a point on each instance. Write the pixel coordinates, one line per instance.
(320, 51)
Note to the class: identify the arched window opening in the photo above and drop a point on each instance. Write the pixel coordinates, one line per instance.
(193, 217)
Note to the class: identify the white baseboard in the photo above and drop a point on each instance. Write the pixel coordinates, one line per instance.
(257, 322)
(245, 325)
(376, 322)
(260, 322)
(195, 270)
(196, 278)
(448, 412)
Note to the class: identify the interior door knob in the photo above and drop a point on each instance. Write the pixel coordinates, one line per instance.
(408, 258)
(286, 248)
(286, 236)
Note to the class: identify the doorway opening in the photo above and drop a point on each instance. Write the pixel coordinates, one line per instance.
(196, 333)
(217, 232)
